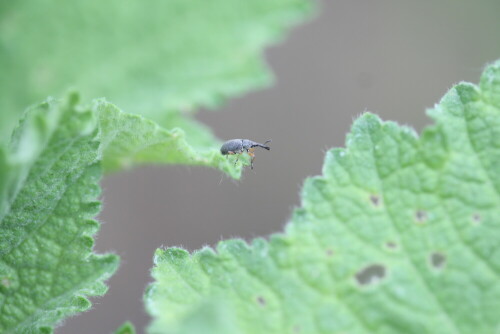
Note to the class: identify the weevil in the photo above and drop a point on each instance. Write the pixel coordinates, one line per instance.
(238, 146)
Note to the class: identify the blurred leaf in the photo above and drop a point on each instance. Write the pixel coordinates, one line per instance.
(399, 235)
(126, 328)
(49, 179)
(148, 57)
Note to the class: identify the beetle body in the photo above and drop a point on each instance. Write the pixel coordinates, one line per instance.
(238, 146)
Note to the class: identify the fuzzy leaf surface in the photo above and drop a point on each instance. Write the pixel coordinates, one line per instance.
(49, 179)
(130, 139)
(398, 235)
(148, 58)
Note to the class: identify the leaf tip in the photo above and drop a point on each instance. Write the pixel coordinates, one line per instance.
(126, 328)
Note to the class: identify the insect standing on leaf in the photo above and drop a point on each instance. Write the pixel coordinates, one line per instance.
(238, 146)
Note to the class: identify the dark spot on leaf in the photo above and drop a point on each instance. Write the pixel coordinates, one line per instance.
(296, 329)
(261, 301)
(438, 260)
(329, 252)
(375, 200)
(370, 274)
(391, 245)
(421, 216)
(476, 218)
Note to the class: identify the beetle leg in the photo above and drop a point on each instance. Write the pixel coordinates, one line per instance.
(252, 156)
(237, 158)
(228, 154)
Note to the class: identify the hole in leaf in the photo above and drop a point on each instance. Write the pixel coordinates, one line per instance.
(421, 216)
(375, 200)
(261, 301)
(438, 260)
(370, 274)
(476, 218)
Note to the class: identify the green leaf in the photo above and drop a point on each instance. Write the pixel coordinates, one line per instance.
(126, 328)
(146, 57)
(49, 179)
(400, 234)
(129, 139)
(48, 184)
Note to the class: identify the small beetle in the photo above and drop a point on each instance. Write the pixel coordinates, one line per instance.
(238, 146)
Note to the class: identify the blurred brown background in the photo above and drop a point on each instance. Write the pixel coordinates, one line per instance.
(393, 58)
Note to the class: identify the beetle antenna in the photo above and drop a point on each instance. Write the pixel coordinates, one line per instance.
(263, 145)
